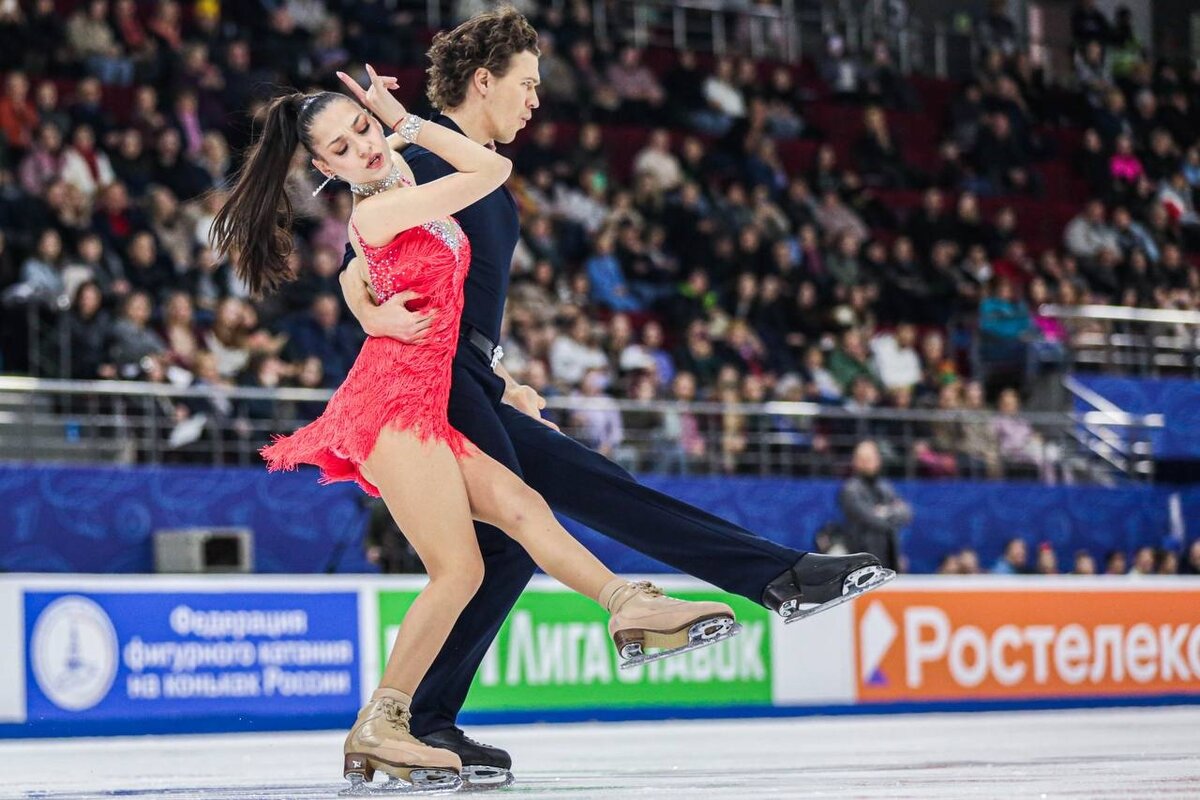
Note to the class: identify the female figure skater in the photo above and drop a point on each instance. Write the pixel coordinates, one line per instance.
(386, 426)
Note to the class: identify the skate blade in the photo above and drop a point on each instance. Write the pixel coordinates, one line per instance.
(424, 781)
(857, 583)
(726, 628)
(485, 779)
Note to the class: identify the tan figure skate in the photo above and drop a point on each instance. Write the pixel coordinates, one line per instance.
(644, 618)
(381, 741)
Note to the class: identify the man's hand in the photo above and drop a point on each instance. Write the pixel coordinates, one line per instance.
(527, 401)
(393, 319)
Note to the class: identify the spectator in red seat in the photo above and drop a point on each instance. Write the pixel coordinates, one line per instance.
(46, 101)
(1124, 165)
(930, 223)
(18, 116)
(571, 356)
(150, 271)
(851, 360)
(130, 163)
(997, 31)
(85, 166)
(885, 84)
(541, 153)
(969, 227)
(90, 331)
(323, 334)
(1088, 233)
(637, 87)
(840, 70)
(609, 287)
(173, 169)
(839, 221)
(44, 162)
(93, 40)
(1175, 277)
(180, 331)
(879, 155)
(1088, 24)
(132, 340)
(87, 108)
(1162, 158)
(1002, 158)
(658, 162)
(1092, 162)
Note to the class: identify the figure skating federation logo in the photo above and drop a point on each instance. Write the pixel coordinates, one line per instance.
(73, 651)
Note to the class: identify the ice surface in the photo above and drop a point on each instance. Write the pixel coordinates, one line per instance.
(1147, 752)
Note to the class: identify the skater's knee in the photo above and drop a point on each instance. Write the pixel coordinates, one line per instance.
(459, 578)
(520, 508)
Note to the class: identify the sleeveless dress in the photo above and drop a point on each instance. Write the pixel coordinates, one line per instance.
(392, 384)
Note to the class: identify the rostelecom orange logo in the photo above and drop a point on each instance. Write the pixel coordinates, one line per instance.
(1010, 643)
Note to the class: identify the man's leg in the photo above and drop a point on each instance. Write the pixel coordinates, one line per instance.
(507, 570)
(588, 488)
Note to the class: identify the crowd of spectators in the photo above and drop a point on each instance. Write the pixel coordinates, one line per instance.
(707, 269)
(1015, 559)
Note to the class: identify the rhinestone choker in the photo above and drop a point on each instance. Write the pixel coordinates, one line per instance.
(375, 187)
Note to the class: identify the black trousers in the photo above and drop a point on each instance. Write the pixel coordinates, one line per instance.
(585, 486)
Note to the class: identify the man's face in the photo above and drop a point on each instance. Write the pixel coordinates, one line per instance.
(867, 460)
(510, 100)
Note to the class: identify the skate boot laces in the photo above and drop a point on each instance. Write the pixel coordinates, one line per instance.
(397, 715)
(646, 587)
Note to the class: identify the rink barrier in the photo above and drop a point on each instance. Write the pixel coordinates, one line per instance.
(104, 655)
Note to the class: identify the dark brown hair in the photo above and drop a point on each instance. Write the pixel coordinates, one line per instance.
(255, 224)
(488, 40)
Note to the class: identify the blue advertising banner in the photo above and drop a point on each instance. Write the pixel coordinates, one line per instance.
(197, 661)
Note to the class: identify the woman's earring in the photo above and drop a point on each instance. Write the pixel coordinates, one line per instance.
(317, 191)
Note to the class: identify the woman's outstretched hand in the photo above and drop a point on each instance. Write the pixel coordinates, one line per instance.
(377, 97)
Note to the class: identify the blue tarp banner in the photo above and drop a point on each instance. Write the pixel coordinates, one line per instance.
(95, 519)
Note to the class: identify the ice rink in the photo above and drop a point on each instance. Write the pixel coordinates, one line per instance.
(1151, 752)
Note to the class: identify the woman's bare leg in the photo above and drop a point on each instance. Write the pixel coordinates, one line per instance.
(498, 497)
(422, 485)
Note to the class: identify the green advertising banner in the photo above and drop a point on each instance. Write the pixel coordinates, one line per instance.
(554, 652)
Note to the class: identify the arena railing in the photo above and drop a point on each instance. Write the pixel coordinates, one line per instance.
(128, 422)
(1139, 341)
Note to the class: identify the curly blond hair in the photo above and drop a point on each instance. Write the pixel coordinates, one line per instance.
(489, 40)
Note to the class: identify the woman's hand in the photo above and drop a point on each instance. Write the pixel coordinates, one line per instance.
(377, 97)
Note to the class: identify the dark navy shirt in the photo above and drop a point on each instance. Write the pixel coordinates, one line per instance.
(492, 225)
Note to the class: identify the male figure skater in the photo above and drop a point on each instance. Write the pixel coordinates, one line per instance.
(484, 77)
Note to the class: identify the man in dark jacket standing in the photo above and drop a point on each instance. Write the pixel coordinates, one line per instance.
(874, 512)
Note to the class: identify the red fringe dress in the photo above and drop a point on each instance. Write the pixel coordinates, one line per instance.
(392, 384)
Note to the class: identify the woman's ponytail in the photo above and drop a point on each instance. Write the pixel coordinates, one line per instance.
(255, 224)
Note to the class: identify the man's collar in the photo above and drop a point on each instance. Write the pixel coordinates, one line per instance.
(446, 122)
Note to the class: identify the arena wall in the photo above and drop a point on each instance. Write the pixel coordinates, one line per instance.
(97, 655)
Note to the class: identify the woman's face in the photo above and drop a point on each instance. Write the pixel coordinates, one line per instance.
(49, 246)
(348, 142)
(229, 313)
(50, 138)
(88, 301)
(179, 309)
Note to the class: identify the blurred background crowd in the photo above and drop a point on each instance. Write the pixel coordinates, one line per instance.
(693, 227)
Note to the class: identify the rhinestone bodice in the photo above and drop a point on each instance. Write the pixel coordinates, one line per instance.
(430, 259)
